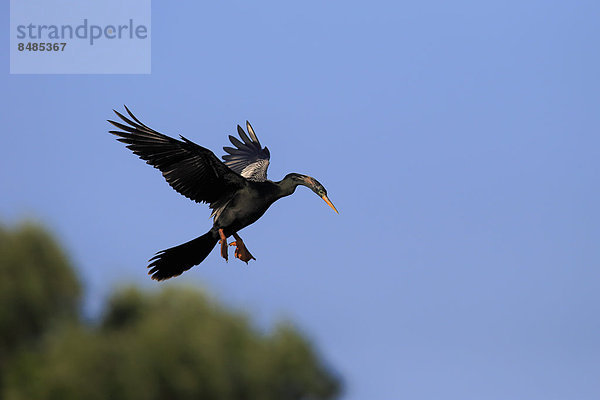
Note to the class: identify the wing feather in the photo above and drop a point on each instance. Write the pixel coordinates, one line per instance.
(190, 169)
(248, 158)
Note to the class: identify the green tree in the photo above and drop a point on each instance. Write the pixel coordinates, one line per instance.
(175, 343)
(38, 289)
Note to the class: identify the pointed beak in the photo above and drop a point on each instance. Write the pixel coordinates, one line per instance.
(330, 203)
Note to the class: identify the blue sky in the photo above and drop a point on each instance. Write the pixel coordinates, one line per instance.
(459, 140)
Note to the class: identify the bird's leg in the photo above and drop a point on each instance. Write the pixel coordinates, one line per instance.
(241, 251)
(223, 242)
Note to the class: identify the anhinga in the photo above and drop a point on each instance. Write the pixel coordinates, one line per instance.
(237, 190)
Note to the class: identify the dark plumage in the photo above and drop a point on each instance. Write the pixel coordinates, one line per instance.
(237, 191)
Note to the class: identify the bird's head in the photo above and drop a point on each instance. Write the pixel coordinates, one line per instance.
(313, 185)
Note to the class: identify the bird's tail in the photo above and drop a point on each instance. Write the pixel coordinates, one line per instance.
(174, 261)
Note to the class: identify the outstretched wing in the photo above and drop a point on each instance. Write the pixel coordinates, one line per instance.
(248, 158)
(191, 170)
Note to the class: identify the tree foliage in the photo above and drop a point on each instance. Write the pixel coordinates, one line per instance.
(175, 343)
(38, 288)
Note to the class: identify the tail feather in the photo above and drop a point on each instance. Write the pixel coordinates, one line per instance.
(176, 260)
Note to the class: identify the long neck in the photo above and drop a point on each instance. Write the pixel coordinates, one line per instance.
(288, 185)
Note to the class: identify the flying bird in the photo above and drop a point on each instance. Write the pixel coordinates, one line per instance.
(236, 189)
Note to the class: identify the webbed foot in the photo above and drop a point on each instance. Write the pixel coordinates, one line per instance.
(241, 251)
(223, 242)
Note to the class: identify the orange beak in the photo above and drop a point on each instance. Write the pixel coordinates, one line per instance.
(330, 203)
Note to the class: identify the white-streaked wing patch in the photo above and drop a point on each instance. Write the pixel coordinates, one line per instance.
(247, 158)
(257, 171)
